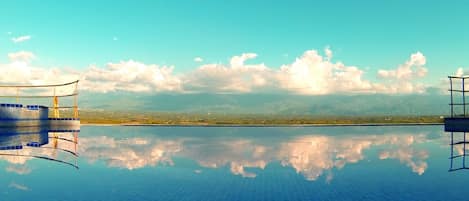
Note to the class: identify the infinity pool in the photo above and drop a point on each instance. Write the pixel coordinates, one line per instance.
(235, 163)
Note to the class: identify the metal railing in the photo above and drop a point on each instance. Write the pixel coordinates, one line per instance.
(455, 89)
(17, 92)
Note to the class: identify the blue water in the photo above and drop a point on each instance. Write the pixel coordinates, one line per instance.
(200, 163)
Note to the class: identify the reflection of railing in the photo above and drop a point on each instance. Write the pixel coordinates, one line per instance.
(54, 91)
(43, 145)
(460, 146)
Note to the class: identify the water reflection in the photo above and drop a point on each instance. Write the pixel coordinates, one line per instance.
(20, 145)
(311, 155)
(458, 151)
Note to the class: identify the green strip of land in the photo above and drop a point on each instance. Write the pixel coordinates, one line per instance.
(155, 118)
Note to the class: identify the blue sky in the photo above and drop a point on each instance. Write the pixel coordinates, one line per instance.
(369, 34)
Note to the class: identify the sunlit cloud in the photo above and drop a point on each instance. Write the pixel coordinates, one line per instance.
(412, 158)
(130, 76)
(310, 74)
(21, 56)
(130, 154)
(311, 156)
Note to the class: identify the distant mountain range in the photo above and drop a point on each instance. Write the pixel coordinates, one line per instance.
(276, 104)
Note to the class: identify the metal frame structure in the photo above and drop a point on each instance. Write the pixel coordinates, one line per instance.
(462, 90)
(55, 97)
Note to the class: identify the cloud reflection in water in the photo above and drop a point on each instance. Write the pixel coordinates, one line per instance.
(309, 155)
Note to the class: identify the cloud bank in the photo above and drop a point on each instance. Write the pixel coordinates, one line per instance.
(310, 74)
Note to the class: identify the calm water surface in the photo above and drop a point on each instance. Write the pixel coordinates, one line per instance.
(197, 163)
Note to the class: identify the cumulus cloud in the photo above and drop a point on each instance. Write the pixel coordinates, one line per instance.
(131, 154)
(198, 59)
(130, 76)
(237, 77)
(20, 39)
(401, 79)
(414, 159)
(328, 52)
(309, 155)
(216, 153)
(412, 68)
(311, 74)
(21, 56)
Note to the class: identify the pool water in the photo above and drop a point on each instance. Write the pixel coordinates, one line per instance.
(236, 163)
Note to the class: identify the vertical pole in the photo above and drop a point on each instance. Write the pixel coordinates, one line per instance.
(75, 139)
(56, 105)
(464, 152)
(463, 99)
(451, 92)
(451, 158)
(75, 102)
(75, 107)
(17, 95)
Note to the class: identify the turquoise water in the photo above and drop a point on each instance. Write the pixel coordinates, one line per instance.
(233, 163)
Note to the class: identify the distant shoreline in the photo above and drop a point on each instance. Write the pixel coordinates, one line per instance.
(249, 120)
(263, 125)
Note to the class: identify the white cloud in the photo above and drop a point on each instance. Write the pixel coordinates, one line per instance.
(131, 154)
(413, 159)
(20, 39)
(414, 67)
(18, 186)
(459, 72)
(328, 53)
(18, 169)
(310, 74)
(402, 79)
(20, 72)
(313, 74)
(237, 77)
(130, 76)
(21, 56)
(198, 59)
(309, 155)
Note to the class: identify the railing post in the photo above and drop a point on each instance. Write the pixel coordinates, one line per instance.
(463, 99)
(17, 95)
(75, 102)
(451, 92)
(464, 152)
(452, 154)
(55, 101)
